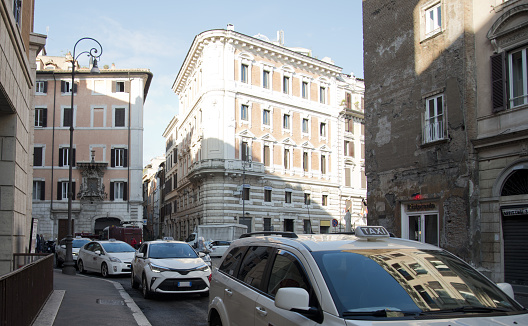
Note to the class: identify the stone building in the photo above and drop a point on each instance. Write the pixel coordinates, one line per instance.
(108, 146)
(266, 136)
(152, 224)
(18, 48)
(447, 127)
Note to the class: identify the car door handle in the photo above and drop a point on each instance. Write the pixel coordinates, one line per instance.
(228, 292)
(262, 311)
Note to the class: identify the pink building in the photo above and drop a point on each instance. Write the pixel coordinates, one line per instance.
(107, 117)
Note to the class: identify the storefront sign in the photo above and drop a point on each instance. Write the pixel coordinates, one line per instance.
(515, 211)
(415, 207)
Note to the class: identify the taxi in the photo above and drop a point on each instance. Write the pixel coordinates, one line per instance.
(369, 278)
(108, 257)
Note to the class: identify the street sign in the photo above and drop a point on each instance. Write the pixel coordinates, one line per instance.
(334, 222)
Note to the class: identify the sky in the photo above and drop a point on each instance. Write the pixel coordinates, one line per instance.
(157, 35)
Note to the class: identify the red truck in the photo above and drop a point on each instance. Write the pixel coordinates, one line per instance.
(124, 233)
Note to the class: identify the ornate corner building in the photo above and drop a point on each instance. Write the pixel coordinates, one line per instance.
(266, 136)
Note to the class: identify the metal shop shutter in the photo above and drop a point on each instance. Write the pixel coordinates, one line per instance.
(515, 230)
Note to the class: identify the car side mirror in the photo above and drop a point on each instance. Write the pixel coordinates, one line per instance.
(201, 254)
(292, 298)
(139, 255)
(98, 252)
(507, 288)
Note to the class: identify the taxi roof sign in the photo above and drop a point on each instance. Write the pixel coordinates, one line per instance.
(372, 232)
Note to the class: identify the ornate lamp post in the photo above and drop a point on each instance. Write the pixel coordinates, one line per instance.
(94, 53)
(245, 163)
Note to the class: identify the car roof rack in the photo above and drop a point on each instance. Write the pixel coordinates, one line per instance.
(281, 233)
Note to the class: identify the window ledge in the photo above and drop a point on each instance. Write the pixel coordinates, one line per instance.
(434, 143)
(432, 36)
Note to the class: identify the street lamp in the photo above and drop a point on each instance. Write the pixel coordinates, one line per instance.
(94, 53)
(245, 162)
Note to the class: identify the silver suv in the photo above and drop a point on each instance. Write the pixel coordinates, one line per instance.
(369, 277)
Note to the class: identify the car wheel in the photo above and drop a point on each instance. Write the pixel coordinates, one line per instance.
(145, 290)
(133, 282)
(80, 265)
(215, 320)
(104, 270)
(58, 262)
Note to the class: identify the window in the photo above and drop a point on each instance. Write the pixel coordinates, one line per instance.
(233, 258)
(38, 153)
(267, 224)
(17, 11)
(64, 156)
(434, 119)
(322, 95)
(62, 190)
(41, 87)
(307, 199)
(119, 87)
(38, 190)
(349, 148)
(305, 125)
(66, 87)
(119, 119)
(266, 117)
(286, 159)
(323, 164)
(119, 157)
(267, 195)
(324, 200)
(305, 161)
(348, 176)
(118, 190)
(67, 117)
(433, 20)
(245, 192)
(253, 266)
(286, 85)
(286, 122)
(518, 78)
(41, 117)
(322, 129)
(266, 79)
(244, 73)
(349, 125)
(304, 89)
(307, 227)
(244, 109)
(244, 151)
(348, 100)
(288, 197)
(266, 154)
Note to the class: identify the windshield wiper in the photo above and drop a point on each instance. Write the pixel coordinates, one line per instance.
(378, 313)
(466, 309)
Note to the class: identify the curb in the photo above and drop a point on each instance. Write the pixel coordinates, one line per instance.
(47, 315)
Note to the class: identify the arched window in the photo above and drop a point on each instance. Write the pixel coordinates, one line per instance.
(516, 184)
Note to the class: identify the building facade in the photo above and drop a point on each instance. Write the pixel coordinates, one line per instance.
(447, 127)
(18, 50)
(108, 147)
(152, 174)
(266, 136)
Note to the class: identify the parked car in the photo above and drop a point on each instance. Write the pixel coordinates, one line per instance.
(362, 279)
(108, 257)
(165, 266)
(60, 250)
(218, 247)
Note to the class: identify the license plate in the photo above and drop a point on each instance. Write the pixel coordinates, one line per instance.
(184, 284)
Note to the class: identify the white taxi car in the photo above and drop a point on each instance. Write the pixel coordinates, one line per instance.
(60, 250)
(108, 257)
(165, 266)
(364, 279)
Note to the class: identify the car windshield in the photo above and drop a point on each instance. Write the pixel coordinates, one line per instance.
(171, 250)
(117, 247)
(79, 243)
(403, 282)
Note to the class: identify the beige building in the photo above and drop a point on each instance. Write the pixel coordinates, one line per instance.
(152, 174)
(266, 136)
(447, 127)
(18, 48)
(108, 146)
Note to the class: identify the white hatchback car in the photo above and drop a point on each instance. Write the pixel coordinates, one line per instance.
(217, 248)
(165, 266)
(109, 257)
(364, 279)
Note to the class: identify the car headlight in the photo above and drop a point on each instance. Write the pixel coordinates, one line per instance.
(75, 254)
(157, 268)
(115, 259)
(202, 268)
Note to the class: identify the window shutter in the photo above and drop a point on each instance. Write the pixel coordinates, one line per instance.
(125, 158)
(125, 190)
(73, 190)
(37, 156)
(114, 85)
(59, 190)
(61, 162)
(45, 86)
(112, 158)
(127, 86)
(44, 117)
(498, 82)
(42, 190)
(111, 191)
(74, 88)
(73, 153)
(63, 87)
(347, 176)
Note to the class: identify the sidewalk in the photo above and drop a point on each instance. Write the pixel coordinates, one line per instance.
(86, 301)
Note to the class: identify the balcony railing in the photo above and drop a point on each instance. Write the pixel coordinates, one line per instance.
(433, 131)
